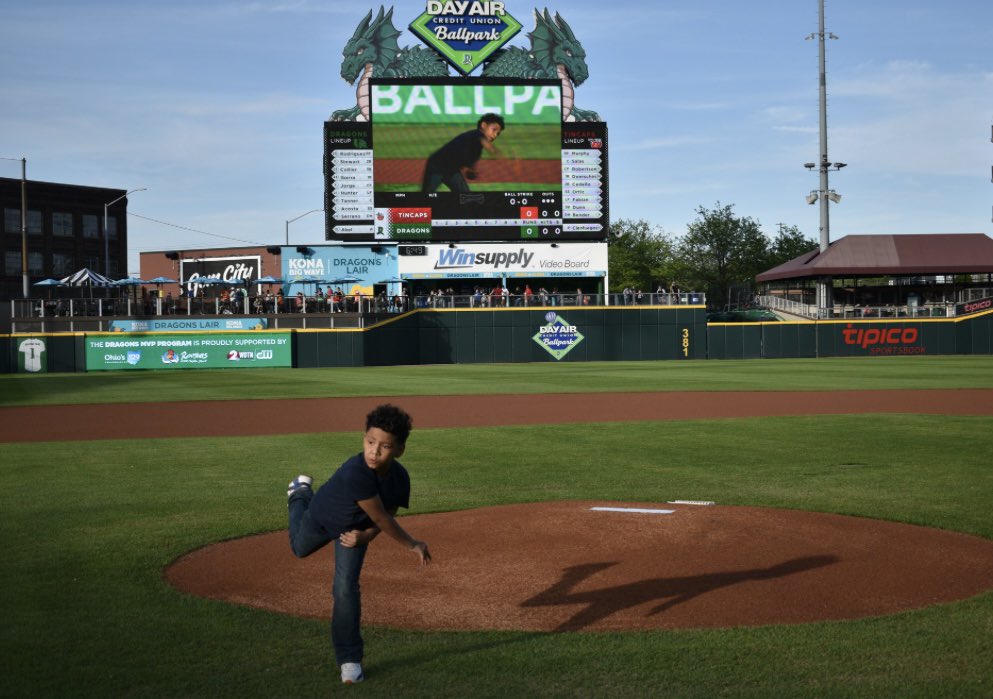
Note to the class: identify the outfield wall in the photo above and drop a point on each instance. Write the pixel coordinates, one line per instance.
(469, 336)
(851, 338)
(512, 335)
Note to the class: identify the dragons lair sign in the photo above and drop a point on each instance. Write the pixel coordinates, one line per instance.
(465, 33)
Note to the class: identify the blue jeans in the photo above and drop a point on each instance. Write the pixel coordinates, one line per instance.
(346, 615)
(306, 536)
(434, 178)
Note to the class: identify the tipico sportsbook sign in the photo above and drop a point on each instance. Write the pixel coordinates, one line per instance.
(188, 351)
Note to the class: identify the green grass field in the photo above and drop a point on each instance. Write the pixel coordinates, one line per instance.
(418, 141)
(868, 373)
(478, 186)
(89, 526)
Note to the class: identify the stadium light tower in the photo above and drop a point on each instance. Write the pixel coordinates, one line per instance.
(823, 193)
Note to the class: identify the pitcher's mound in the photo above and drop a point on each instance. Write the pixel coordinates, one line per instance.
(563, 566)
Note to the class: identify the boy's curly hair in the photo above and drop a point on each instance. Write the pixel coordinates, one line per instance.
(392, 419)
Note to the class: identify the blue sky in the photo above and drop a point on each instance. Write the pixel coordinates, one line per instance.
(217, 108)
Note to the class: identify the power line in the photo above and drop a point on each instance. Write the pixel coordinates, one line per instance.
(194, 230)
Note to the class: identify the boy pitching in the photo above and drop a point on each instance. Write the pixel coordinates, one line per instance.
(357, 503)
(455, 161)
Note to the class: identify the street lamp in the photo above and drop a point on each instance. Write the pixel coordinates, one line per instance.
(297, 219)
(106, 233)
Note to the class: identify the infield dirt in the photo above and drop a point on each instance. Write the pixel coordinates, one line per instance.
(696, 567)
(559, 566)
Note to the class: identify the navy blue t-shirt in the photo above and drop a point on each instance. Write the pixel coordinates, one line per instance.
(335, 504)
(462, 151)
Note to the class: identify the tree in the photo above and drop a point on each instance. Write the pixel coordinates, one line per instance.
(639, 255)
(788, 244)
(722, 251)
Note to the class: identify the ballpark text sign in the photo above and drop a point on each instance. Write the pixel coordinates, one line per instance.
(465, 33)
(557, 337)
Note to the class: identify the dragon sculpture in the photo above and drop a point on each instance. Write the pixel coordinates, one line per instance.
(373, 51)
(555, 53)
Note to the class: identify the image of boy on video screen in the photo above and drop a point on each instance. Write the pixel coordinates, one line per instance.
(455, 162)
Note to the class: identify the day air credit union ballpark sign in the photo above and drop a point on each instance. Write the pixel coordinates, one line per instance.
(557, 336)
(465, 33)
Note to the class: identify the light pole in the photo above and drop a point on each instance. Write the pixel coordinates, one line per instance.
(106, 233)
(824, 301)
(296, 219)
(24, 223)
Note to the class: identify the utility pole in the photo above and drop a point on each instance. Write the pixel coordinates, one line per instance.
(24, 226)
(824, 194)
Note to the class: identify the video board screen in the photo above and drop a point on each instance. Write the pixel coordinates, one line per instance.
(449, 160)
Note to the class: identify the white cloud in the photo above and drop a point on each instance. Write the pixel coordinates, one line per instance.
(284, 7)
(785, 114)
(910, 118)
(663, 143)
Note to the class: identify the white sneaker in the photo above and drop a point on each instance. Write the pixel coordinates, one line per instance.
(301, 481)
(351, 673)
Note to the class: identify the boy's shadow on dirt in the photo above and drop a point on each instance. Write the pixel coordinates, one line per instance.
(602, 603)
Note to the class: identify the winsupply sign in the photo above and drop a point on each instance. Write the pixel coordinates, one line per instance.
(489, 260)
(207, 351)
(454, 258)
(557, 336)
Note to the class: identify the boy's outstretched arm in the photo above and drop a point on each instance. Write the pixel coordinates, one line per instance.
(387, 524)
(490, 148)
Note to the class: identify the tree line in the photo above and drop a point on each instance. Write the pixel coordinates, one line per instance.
(720, 254)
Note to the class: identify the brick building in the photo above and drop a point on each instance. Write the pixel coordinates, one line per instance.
(65, 232)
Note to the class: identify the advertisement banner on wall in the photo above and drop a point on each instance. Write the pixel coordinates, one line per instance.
(482, 261)
(974, 307)
(187, 323)
(557, 336)
(31, 356)
(200, 273)
(352, 268)
(883, 341)
(206, 351)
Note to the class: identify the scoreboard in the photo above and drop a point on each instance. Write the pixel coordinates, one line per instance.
(548, 183)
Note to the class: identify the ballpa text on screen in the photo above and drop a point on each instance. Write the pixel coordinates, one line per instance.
(386, 99)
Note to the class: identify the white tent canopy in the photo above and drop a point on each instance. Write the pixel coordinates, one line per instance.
(86, 277)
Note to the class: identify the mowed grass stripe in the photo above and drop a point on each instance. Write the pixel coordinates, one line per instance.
(870, 373)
